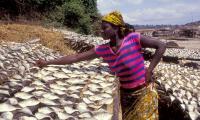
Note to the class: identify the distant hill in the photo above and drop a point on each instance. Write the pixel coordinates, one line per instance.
(196, 23)
(154, 26)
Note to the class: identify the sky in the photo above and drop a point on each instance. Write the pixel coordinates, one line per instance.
(153, 12)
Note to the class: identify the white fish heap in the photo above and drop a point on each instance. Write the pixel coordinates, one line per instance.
(181, 53)
(178, 86)
(67, 92)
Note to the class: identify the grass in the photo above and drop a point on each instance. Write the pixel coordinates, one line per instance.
(24, 32)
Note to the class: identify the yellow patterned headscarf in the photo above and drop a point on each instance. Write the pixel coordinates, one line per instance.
(115, 18)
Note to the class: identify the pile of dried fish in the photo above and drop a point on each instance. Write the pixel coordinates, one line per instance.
(178, 88)
(181, 53)
(81, 43)
(66, 92)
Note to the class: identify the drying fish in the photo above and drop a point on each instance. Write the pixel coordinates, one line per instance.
(38, 93)
(103, 116)
(66, 71)
(48, 78)
(50, 96)
(87, 101)
(23, 95)
(52, 69)
(26, 110)
(69, 110)
(85, 115)
(73, 75)
(74, 88)
(105, 95)
(75, 81)
(56, 109)
(95, 98)
(39, 115)
(13, 101)
(59, 92)
(4, 107)
(82, 107)
(29, 102)
(45, 110)
(88, 93)
(62, 83)
(47, 101)
(74, 96)
(63, 116)
(7, 115)
(64, 102)
(17, 77)
(38, 83)
(55, 86)
(107, 101)
(27, 89)
(60, 75)
(27, 118)
(5, 92)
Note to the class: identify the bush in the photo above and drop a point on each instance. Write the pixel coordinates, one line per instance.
(76, 14)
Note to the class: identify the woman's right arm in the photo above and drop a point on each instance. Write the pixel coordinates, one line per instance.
(69, 59)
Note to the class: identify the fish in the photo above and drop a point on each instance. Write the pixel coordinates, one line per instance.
(87, 101)
(5, 107)
(45, 110)
(66, 70)
(82, 107)
(85, 115)
(52, 69)
(39, 116)
(59, 87)
(50, 96)
(59, 92)
(47, 101)
(5, 92)
(69, 110)
(27, 118)
(74, 96)
(107, 101)
(74, 88)
(12, 101)
(88, 92)
(23, 95)
(60, 75)
(63, 116)
(103, 116)
(95, 98)
(27, 89)
(29, 102)
(39, 93)
(7, 115)
(48, 78)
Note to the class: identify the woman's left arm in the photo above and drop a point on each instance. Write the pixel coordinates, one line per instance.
(148, 42)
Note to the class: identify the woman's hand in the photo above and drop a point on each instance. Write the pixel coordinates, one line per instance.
(41, 63)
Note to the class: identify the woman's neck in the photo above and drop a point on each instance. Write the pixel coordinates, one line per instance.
(115, 41)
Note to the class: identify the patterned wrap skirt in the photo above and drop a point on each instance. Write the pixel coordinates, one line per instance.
(141, 104)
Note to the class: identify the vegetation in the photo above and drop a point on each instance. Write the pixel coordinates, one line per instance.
(80, 15)
(23, 33)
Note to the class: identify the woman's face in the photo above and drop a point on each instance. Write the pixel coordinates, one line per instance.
(107, 31)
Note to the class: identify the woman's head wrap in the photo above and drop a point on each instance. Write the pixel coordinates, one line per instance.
(115, 18)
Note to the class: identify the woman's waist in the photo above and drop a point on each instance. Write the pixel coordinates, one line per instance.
(133, 88)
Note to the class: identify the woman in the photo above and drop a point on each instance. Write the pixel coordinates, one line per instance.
(123, 54)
